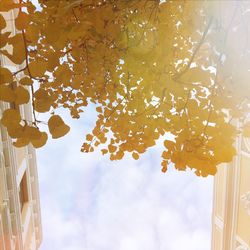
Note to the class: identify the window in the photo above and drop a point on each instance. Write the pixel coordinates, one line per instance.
(23, 191)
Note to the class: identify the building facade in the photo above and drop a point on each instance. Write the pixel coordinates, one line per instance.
(231, 205)
(20, 217)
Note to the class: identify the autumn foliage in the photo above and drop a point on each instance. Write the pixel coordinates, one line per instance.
(151, 68)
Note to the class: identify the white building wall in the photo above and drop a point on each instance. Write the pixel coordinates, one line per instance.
(231, 205)
(20, 227)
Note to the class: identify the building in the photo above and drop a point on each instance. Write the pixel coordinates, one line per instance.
(20, 217)
(231, 209)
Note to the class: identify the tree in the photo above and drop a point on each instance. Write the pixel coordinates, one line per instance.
(150, 67)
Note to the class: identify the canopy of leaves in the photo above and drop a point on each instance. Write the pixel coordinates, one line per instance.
(151, 68)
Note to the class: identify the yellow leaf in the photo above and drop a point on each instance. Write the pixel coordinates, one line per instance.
(41, 94)
(77, 82)
(7, 5)
(99, 109)
(135, 156)
(2, 22)
(38, 68)
(169, 144)
(18, 54)
(43, 101)
(89, 137)
(119, 155)
(15, 130)
(111, 148)
(103, 139)
(41, 141)
(165, 155)
(5, 76)
(7, 94)
(32, 133)
(42, 105)
(212, 170)
(224, 154)
(26, 81)
(57, 127)
(10, 116)
(208, 170)
(22, 20)
(164, 166)
(85, 147)
(52, 33)
(195, 75)
(4, 38)
(22, 95)
(21, 142)
(104, 151)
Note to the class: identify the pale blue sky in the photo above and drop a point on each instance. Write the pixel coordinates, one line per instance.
(90, 203)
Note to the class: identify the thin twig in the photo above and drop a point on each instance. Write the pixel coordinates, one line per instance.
(178, 75)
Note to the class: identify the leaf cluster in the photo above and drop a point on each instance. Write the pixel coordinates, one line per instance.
(150, 68)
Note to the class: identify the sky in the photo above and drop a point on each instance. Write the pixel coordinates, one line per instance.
(91, 203)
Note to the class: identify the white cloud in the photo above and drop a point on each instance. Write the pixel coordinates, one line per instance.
(91, 203)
